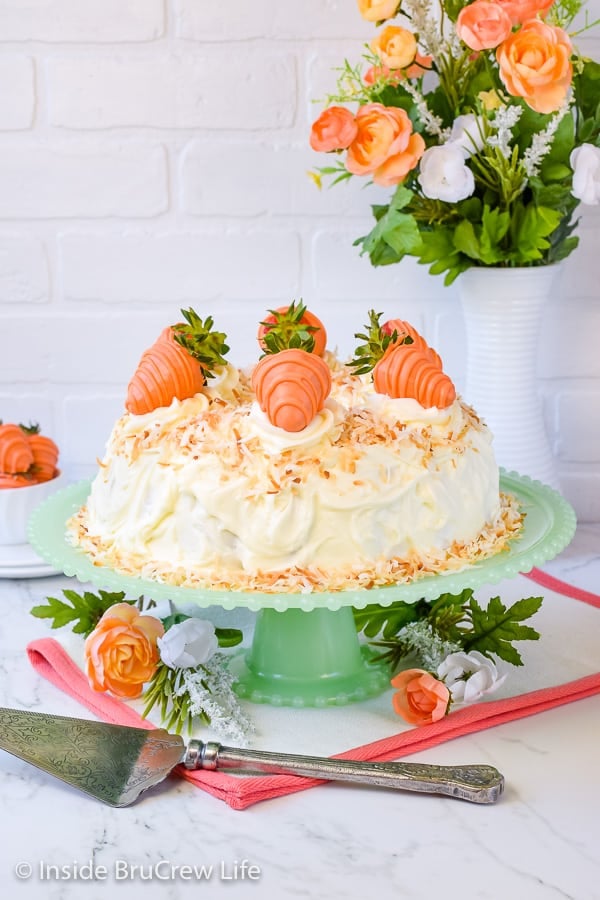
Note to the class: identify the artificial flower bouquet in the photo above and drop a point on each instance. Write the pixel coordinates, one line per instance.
(441, 654)
(484, 119)
(448, 652)
(173, 661)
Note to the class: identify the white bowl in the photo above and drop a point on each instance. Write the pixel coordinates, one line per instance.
(17, 504)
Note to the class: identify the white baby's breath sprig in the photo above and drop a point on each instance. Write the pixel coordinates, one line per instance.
(542, 142)
(431, 123)
(429, 646)
(210, 694)
(504, 121)
(426, 25)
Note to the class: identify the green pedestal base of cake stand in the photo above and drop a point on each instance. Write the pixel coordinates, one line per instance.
(305, 650)
(302, 658)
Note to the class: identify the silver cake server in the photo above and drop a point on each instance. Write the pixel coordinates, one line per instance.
(115, 763)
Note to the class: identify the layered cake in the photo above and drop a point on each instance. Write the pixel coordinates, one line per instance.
(301, 474)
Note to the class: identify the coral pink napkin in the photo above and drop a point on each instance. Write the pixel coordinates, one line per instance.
(50, 660)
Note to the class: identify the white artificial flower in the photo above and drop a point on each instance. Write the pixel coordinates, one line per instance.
(467, 132)
(468, 676)
(585, 162)
(444, 175)
(188, 644)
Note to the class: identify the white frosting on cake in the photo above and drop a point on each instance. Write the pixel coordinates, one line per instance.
(209, 486)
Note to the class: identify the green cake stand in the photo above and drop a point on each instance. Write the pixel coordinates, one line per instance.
(305, 650)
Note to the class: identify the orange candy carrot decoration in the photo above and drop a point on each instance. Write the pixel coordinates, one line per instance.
(16, 456)
(291, 387)
(403, 364)
(45, 453)
(15, 481)
(166, 370)
(176, 365)
(404, 329)
(292, 326)
(406, 370)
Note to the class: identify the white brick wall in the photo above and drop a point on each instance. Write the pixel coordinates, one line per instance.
(82, 21)
(154, 154)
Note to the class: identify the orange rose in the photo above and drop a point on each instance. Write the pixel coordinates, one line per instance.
(522, 10)
(383, 131)
(335, 129)
(378, 10)
(121, 652)
(375, 73)
(535, 64)
(421, 698)
(397, 167)
(483, 25)
(421, 65)
(396, 47)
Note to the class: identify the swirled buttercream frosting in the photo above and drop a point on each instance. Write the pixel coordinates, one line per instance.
(375, 490)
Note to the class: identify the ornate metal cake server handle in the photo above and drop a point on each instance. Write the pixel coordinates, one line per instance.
(476, 783)
(116, 763)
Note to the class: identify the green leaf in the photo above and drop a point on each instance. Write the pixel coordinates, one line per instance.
(395, 235)
(85, 610)
(466, 240)
(229, 637)
(438, 251)
(401, 197)
(530, 231)
(388, 620)
(556, 172)
(495, 628)
(587, 90)
(494, 227)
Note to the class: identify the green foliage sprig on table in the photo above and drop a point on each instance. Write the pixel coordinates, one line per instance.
(83, 611)
(450, 623)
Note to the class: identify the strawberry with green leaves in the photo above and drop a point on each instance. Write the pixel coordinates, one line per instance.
(402, 363)
(293, 326)
(177, 365)
(291, 381)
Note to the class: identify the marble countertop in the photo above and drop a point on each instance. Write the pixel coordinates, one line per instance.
(539, 841)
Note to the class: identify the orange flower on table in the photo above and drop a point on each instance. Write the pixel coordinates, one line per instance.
(396, 47)
(384, 132)
(335, 129)
(522, 10)
(121, 653)
(535, 64)
(420, 698)
(378, 10)
(483, 25)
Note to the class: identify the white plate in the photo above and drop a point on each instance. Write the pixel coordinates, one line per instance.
(21, 561)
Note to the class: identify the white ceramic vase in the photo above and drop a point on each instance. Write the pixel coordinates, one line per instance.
(503, 311)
